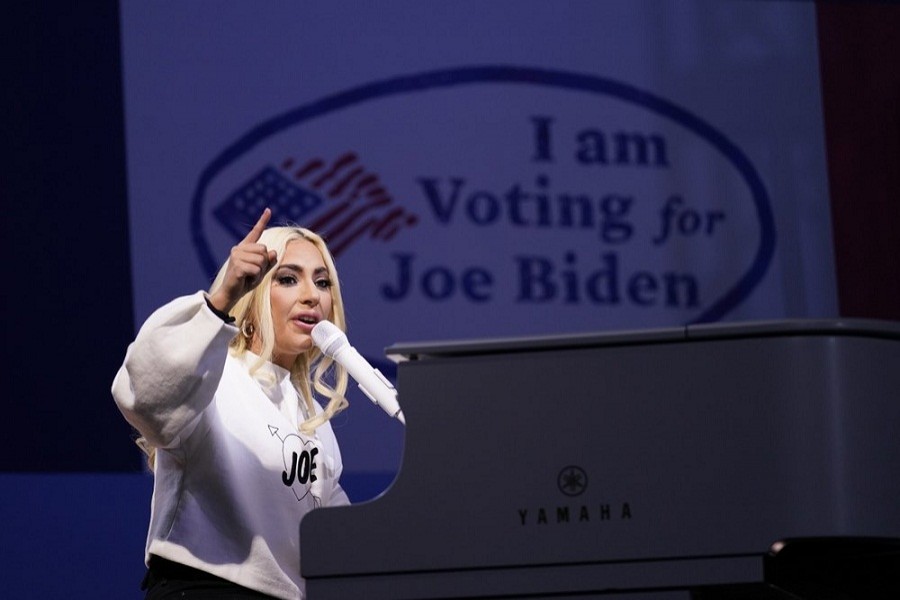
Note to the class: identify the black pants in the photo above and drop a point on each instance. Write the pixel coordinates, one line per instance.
(167, 580)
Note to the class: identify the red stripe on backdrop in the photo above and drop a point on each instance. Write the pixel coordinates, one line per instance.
(859, 46)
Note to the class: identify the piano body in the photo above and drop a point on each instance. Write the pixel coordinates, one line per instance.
(641, 463)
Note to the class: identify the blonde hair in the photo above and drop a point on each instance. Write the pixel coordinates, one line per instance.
(312, 370)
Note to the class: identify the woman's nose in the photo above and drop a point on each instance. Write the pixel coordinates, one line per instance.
(309, 294)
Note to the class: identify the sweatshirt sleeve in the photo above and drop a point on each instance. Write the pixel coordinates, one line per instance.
(172, 369)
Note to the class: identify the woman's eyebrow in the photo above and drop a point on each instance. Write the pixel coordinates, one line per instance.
(299, 269)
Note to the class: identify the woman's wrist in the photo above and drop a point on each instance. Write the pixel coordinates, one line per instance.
(222, 314)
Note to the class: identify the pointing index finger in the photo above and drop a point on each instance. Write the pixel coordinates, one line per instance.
(260, 226)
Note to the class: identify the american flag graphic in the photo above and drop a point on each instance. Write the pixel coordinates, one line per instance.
(340, 200)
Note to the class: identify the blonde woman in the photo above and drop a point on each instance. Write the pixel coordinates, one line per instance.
(221, 387)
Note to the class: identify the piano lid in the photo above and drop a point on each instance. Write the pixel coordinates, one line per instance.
(708, 331)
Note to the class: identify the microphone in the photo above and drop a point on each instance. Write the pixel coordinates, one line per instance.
(334, 343)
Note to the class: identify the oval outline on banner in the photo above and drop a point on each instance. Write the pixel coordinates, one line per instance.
(505, 74)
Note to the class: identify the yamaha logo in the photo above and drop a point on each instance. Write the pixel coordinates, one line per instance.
(572, 481)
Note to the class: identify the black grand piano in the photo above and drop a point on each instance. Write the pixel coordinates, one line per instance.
(707, 461)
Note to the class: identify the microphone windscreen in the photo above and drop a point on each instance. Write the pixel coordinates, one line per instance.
(328, 337)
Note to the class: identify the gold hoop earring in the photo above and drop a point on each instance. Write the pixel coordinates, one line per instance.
(247, 329)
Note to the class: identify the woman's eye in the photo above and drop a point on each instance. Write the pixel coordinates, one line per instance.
(323, 283)
(286, 279)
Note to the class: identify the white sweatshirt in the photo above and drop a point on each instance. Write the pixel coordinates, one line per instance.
(233, 475)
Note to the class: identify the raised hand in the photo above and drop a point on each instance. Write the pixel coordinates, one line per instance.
(248, 263)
